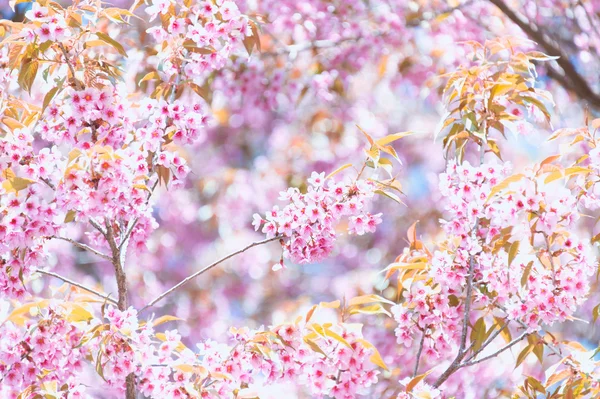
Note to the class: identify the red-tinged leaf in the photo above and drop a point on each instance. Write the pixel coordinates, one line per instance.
(550, 159)
(413, 383)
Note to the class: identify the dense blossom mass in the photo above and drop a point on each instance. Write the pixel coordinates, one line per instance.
(137, 145)
(308, 222)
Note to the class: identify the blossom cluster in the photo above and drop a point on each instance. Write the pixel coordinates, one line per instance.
(50, 25)
(520, 244)
(212, 33)
(307, 224)
(328, 361)
(44, 353)
(27, 212)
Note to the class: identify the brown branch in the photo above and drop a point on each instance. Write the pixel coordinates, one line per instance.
(73, 283)
(497, 352)
(416, 370)
(118, 259)
(205, 269)
(78, 85)
(571, 80)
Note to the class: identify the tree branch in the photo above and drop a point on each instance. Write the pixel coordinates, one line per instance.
(118, 259)
(78, 85)
(84, 247)
(571, 80)
(205, 269)
(496, 353)
(73, 283)
(416, 371)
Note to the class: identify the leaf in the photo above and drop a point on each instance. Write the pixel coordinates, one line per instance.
(12, 123)
(413, 383)
(70, 216)
(338, 170)
(364, 299)
(249, 42)
(505, 333)
(535, 384)
(326, 332)
(19, 315)
(201, 91)
(109, 40)
(79, 313)
(390, 195)
(596, 312)
(367, 135)
(504, 184)
(17, 184)
(150, 76)
(478, 333)
(526, 273)
(513, 251)
(390, 138)
(48, 97)
(376, 308)
(29, 69)
(254, 28)
(164, 319)
(313, 345)
(524, 353)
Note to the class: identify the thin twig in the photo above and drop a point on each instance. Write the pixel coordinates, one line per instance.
(83, 287)
(84, 247)
(130, 228)
(98, 227)
(66, 54)
(205, 269)
(48, 183)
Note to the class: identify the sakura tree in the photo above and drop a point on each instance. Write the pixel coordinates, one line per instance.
(211, 199)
